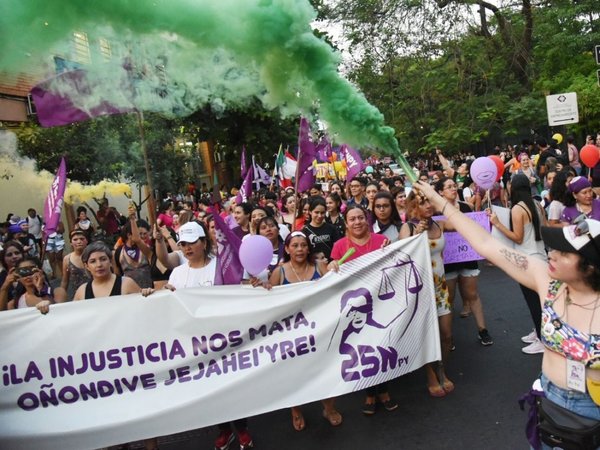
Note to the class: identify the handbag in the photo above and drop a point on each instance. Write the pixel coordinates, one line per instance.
(560, 428)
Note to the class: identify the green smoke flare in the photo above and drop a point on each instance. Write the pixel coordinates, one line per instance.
(222, 52)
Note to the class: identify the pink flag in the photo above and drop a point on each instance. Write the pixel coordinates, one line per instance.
(305, 176)
(54, 201)
(229, 268)
(246, 190)
(354, 163)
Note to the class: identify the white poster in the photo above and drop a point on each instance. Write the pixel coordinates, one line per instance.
(100, 372)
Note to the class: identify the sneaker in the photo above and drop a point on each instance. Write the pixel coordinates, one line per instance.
(224, 440)
(245, 440)
(534, 348)
(530, 338)
(485, 338)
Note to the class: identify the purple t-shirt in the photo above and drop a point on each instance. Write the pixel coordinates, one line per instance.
(570, 213)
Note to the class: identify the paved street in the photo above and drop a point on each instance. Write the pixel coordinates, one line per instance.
(482, 413)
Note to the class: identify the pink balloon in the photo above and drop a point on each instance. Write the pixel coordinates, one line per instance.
(255, 254)
(484, 172)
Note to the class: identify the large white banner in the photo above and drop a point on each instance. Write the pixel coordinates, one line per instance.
(106, 371)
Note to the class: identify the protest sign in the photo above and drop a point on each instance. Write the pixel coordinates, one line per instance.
(457, 248)
(101, 372)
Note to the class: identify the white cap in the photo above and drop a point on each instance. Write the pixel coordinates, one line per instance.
(190, 232)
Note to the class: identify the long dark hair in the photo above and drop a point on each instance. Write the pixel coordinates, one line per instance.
(395, 217)
(7, 245)
(520, 191)
(337, 199)
(558, 189)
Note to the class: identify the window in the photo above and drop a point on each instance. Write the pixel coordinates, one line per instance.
(81, 48)
(105, 49)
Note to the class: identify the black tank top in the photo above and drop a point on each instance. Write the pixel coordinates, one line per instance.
(116, 289)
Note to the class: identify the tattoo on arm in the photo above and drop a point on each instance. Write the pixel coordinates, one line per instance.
(516, 259)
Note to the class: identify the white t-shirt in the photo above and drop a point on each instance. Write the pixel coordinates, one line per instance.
(555, 210)
(186, 277)
(35, 226)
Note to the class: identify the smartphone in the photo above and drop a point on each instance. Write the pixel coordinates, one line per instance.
(25, 271)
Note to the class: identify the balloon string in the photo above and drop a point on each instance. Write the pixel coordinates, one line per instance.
(489, 201)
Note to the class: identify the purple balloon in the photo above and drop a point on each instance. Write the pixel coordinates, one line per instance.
(484, 172)
(256, 253)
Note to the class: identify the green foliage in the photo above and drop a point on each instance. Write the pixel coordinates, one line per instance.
(478, 82)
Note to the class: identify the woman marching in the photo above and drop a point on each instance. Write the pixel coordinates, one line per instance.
(359, 237)
(568, 285)
(322, 235)
(526, 219)
(464, 274)
(420, 212)
(299, 266)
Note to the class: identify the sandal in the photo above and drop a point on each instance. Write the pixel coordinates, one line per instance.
(436, 391)
(298, 422)
(448, 386)
(333, 417)
(369, 409)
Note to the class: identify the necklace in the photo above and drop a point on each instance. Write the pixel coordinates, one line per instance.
(296, 273)
(594, 302)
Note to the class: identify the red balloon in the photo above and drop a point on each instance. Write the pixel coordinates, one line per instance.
(499, 165)
(589, 155)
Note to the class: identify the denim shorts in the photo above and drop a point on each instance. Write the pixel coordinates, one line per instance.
(465, 273)
(574, 401)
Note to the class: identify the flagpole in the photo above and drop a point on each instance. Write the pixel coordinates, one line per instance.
(296, 177)
(149, 187)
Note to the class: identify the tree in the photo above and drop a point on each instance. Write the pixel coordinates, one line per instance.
(444, 76)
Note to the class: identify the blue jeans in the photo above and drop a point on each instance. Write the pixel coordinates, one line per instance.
(575, 401)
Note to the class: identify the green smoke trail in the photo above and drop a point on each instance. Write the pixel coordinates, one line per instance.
(220, 52)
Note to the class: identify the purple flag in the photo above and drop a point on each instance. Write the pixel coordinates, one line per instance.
(354, 163)
(229, 268)
(323, 149)
(246, 190)
(54, 201)
(53, 102)
(243, 167)
(305, 176)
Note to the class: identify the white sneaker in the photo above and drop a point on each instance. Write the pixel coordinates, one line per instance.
(534, 348)
(530, 338)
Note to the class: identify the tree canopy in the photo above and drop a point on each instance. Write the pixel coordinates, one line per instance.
(467, 73)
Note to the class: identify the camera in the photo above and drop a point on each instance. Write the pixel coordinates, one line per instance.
(26, 271)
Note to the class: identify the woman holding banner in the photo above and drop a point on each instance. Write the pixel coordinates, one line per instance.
(420, 213)
(359, 241)
(299, 266)
(465, 274)
(526, 219)
(569, 284)
(97, 259)
(10, 255)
